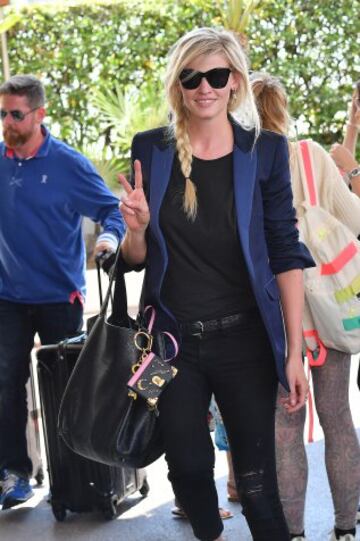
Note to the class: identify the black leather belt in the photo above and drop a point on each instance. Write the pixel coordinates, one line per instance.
(197, 328)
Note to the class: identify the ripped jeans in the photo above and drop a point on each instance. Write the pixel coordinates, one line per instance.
(235, 364)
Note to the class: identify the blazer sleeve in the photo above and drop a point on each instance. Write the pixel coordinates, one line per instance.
(285, 250)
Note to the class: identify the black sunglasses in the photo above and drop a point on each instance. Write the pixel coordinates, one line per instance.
(16, 115)
(217, 78)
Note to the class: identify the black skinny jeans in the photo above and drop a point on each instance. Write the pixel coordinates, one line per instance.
(236, 365)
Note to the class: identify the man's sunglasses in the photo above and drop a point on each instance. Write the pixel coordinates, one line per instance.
(217, 78)
(16, 115)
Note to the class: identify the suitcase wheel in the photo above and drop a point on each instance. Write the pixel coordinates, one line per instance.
(109, 508)
(144, 490)
(59, 511)
(39, 477)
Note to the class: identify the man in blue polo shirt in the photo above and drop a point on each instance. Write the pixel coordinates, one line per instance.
(46, 189)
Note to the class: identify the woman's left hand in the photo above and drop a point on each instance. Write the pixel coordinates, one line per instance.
(299, 385)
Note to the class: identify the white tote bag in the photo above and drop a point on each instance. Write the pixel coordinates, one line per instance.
(332, 288)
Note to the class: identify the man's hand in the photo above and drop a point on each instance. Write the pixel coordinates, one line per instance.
(103, 246)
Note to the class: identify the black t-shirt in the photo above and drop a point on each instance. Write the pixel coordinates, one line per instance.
(206, 277)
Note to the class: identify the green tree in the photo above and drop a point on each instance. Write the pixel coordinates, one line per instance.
(313, 47)
(79, 49)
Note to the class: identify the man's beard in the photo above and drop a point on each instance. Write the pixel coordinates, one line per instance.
(13, 139)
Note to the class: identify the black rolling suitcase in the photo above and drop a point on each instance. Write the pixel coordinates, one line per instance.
(76, 484)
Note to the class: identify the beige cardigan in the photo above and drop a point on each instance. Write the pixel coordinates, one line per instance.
(334, 195)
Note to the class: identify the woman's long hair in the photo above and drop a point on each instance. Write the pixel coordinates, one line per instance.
(273, 107)
(203, 41)
(271, 101)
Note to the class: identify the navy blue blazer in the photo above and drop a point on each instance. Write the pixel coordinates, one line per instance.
(265, 219)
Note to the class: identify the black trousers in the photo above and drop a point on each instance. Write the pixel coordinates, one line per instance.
(236, 365)
(18, 325)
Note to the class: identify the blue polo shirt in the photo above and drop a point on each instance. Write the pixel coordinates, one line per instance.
(42, 202)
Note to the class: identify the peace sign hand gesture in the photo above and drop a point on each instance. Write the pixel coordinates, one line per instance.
(133, 205)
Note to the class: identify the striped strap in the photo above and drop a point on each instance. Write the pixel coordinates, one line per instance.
(310, 409)
(310, 188)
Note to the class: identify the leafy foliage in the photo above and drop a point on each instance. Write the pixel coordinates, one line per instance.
(104, 58)
(313, 47)
(236, 14)
(123, 115)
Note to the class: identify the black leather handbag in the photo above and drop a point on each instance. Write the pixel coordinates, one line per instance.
(99, 417)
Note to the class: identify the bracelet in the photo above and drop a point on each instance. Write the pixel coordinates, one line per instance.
(352, 174)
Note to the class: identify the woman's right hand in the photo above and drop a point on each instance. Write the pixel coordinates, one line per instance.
(133, 205)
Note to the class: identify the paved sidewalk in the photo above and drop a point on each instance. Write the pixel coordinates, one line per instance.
(150, 519)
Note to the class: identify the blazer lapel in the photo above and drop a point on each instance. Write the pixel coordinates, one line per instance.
(161, 164)
(244, 182)
(245, 164)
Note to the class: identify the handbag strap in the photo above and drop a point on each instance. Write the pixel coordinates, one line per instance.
(173, 340)
(116, 275)
(308, 181)
(119, 312)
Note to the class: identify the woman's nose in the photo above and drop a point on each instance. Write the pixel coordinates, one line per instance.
(204, 85)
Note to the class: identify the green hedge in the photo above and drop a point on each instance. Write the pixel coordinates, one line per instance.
(76, 49)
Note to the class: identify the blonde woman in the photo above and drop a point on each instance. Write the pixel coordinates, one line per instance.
(210, 216)
(331, 381)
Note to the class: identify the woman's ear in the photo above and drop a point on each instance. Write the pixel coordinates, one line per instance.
(236, 81)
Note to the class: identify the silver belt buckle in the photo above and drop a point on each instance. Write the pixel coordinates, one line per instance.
(200, 323)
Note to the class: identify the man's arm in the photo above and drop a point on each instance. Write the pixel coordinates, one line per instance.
(90, 197)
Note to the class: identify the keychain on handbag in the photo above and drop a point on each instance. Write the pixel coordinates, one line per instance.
(150, 374)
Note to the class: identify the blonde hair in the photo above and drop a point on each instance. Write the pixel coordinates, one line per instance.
(272, 104)
(202, 41)
(271, 101)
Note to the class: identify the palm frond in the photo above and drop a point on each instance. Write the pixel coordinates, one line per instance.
(9, 22)
(130, 111)
(236, 14)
